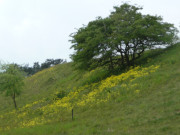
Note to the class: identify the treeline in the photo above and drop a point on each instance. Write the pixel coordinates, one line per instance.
(38, 67)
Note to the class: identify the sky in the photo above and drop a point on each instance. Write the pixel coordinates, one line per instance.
(35, 30)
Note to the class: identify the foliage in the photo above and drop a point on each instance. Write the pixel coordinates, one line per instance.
(37, 67)
(51, 62)
(120, 39)
(11, 81)
(60, 94)
(95, 76)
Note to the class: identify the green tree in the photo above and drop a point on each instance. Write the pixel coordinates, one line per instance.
(134, 33)
(120, 39)
(92, 43)
(11, 81)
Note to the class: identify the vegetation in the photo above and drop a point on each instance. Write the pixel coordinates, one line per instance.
(37, 67)
(141, 98)
(118, 40)
(11, 81)
(144, 100)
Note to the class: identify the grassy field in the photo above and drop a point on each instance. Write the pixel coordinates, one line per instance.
(141, 101)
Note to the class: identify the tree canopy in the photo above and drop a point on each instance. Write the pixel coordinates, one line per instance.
(119, 39)
(11, 81)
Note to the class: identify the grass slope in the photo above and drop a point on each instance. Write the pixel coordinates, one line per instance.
(43, 84)
(153, 109)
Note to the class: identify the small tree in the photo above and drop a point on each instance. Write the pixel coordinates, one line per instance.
(11, 81)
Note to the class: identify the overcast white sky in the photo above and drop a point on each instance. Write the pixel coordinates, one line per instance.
(34, 30)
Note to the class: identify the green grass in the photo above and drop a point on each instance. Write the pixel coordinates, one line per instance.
(43, 84)
(155, 110)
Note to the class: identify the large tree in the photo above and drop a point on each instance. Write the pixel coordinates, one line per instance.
(11, 81)
(121, 38)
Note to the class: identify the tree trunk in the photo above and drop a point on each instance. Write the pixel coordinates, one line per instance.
(14, 100)
(122, 59)
(133, 58)
(111, 64)
(127, 59)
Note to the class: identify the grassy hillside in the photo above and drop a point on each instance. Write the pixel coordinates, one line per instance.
(43, 84)
(142, 100)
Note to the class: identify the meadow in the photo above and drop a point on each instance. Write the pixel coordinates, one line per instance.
(141, 100)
